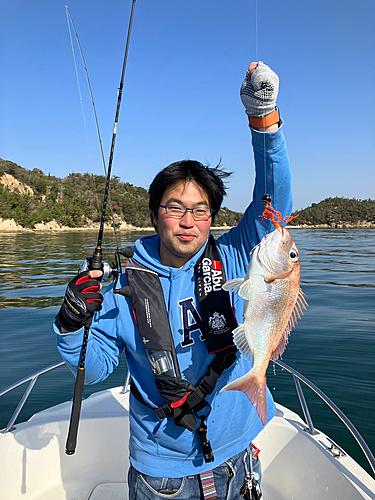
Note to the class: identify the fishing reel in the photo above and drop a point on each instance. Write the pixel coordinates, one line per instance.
(106, 269)
(113, 271)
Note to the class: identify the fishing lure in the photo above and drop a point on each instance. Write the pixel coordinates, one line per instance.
(273, 215)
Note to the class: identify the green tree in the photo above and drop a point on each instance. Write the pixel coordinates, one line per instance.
(54, 191)
(41, 185)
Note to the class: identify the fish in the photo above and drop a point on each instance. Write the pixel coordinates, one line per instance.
(273, 302)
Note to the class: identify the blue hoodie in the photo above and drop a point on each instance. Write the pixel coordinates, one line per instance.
(157, 447)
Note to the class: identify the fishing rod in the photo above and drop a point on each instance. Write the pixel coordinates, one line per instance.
(96, 263)
(71, 22)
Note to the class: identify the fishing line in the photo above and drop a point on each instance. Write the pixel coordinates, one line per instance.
(265, 162)
(264, 133)
(257, 60)
(256, 31)
(77, 78)
(69, 18)
(68, 15)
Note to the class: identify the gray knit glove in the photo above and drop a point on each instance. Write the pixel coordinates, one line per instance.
(259, 91)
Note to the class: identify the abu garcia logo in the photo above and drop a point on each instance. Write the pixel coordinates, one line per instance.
(212, 275)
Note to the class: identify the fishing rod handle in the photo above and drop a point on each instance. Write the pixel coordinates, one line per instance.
(71, 440)
(75, 415)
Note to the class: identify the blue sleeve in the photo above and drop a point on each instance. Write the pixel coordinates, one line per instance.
(272, 176)
(103, 347)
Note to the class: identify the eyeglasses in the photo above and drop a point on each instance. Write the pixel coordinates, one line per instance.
(177, 211)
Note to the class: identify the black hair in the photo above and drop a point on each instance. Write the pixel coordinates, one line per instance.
(210, 179)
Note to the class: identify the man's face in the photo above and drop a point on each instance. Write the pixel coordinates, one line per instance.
(182, 238)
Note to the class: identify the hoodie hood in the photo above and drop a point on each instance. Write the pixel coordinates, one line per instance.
(146, 251)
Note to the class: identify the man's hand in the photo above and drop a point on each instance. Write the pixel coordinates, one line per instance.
(82, 299)
(259, 90)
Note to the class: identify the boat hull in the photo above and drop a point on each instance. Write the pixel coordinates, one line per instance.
(34, 466)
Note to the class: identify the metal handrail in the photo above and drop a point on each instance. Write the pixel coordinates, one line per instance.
(297, 377)
(126, 385)
(32, 378)
(357, 436)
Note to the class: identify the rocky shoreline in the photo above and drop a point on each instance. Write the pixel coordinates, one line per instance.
(341, 225)
(11, 226)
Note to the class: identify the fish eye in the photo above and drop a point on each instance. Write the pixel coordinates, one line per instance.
(293, 256)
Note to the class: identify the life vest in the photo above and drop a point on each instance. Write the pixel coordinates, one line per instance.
(185, 401)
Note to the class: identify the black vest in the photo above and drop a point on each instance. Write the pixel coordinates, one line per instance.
(151, 316)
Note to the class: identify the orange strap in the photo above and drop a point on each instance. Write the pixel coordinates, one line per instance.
(266, 121)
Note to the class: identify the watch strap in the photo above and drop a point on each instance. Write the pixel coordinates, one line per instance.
(266, 121)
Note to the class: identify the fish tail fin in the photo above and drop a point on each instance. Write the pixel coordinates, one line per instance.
(255, 389)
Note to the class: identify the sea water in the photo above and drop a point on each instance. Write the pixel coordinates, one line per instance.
(333, 344)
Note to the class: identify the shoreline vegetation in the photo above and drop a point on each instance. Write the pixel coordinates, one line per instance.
(11, 226)
(31, 201)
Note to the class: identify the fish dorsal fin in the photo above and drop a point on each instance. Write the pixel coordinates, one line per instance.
(232, 285)
(300, 305)
(297, 312)
(241, 342)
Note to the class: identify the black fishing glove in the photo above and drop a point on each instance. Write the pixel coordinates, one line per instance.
(259, 91)
(82, 299)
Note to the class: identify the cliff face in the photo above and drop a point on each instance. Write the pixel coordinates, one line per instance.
(15, 186)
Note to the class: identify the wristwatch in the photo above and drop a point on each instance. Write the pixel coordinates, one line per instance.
(266, 121)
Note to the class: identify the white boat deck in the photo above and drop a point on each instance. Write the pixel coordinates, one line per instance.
(34, 466)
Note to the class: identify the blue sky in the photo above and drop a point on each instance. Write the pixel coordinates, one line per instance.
(181, 94)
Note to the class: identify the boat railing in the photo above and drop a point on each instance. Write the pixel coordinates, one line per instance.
(297, 377)
(335, 449)
(32, 379)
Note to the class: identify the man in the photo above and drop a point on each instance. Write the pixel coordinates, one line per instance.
(187, 440)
